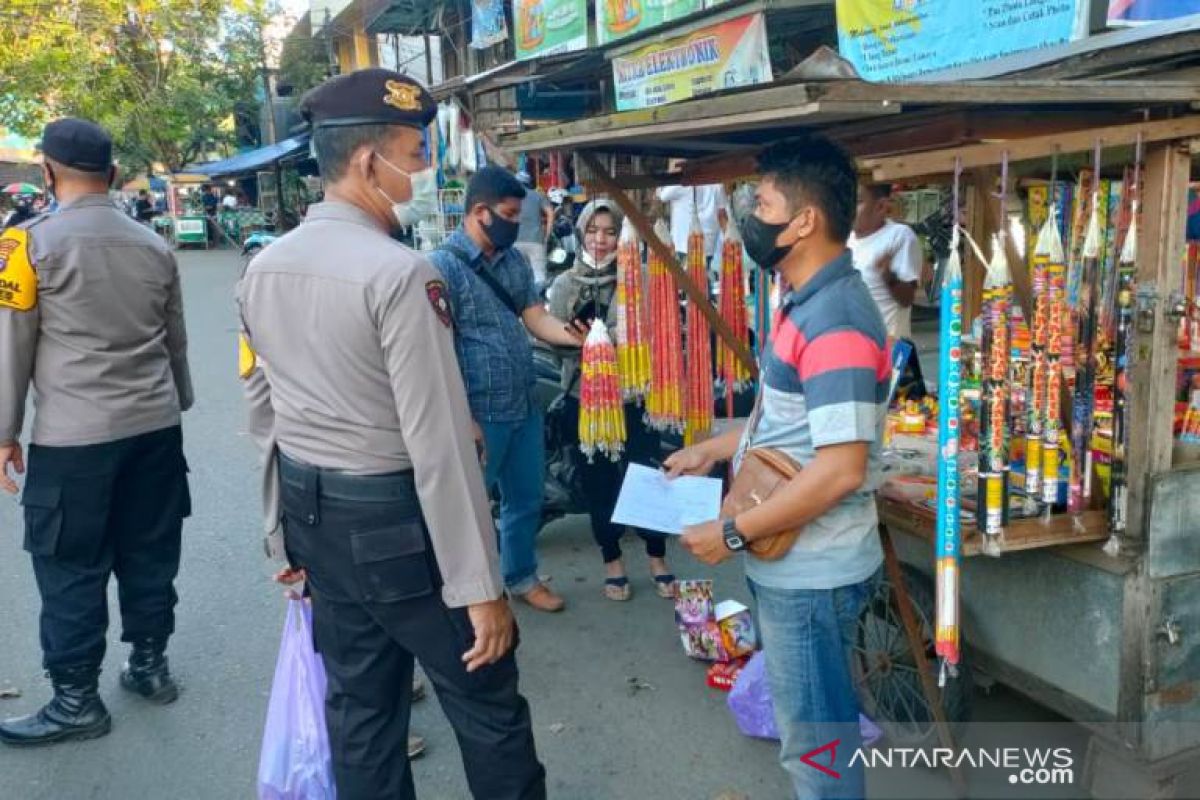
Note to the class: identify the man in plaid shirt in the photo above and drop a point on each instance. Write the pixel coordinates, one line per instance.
(495, 307)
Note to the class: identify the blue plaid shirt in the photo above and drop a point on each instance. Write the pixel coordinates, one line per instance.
(493, 346)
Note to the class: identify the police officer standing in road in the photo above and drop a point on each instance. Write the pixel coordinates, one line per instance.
(91, 314)
(355, 389)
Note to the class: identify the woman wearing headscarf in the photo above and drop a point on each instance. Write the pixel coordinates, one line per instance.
(588, 289)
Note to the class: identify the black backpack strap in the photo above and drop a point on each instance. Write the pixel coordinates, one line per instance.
(501, 294)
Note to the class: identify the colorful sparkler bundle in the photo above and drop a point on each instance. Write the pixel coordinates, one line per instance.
(948, 521)
(733, 374)
(664, 403)
(1037, 369)
(1082, 407)
(601, 409)
(1118, 495)
(699, 395)
(633, 329)
(992, 499)
(1056, 286)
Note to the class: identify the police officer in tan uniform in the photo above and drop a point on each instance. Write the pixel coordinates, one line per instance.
(355, 388)
(91, 315)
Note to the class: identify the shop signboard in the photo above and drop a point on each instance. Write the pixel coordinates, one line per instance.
(890, 40)
(727, 54)
(617, 19)
(547, 27)
(1125, 12)
(488, 26)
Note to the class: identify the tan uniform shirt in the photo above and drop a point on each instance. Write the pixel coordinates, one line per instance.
(356, 371)
(96, 325)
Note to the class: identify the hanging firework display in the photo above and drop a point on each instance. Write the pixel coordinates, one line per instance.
(699, 394)
(1037, 370)
(948, 516)
(633, 330)
(665, 402)
(734, 375)
(992, 499)
(1056, 286)
(1081, 409)
(601, 410)
(1118, 494)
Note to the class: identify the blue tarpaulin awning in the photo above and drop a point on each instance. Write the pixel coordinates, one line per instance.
(252, 159)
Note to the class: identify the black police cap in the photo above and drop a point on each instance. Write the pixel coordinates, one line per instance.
(78, 143)
(373, 96)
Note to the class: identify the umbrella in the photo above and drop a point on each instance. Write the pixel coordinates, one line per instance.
(21, 188)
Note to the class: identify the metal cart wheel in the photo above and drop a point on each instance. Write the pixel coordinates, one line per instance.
(885, 672)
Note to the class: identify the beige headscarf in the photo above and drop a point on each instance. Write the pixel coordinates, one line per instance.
(594, 207)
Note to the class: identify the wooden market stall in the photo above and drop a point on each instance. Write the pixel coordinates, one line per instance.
(1105, 636)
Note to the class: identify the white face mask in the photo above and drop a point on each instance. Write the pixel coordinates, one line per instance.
(604, 263)
(424, 195)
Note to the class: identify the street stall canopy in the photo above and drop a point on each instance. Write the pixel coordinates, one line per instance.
(252, 160)
(141, 182)
(868, 119)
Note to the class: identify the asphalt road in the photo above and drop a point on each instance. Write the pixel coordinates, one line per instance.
(619, 711)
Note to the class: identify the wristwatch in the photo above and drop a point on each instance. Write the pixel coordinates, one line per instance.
(733, 540)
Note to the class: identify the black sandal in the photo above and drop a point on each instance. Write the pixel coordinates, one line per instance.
(666, 586)
(617, 588)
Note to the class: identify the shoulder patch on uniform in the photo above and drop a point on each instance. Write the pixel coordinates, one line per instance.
(438, 298)
(18, 279)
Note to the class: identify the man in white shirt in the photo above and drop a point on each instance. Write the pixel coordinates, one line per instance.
(888, 255)
(708, 201)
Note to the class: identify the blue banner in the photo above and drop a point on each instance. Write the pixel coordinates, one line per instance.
(488, 26)
(1150, 10)
(890, 40)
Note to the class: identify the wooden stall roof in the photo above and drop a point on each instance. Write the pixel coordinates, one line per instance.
(871, 119)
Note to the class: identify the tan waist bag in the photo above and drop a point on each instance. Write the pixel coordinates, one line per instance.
(763, 472)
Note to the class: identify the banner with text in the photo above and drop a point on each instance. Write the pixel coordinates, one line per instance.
(616, 19)
(1134, 11)
(888, 41)
(488, 26)
(728, 54)
(547, 27)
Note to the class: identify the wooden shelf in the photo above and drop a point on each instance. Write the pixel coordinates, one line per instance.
(1021, 534)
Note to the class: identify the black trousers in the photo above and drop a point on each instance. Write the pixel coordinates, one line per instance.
(602, 480)
(375, 587)
(98, 510)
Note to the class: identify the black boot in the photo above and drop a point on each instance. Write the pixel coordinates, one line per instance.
(146, 672)
(75, 712)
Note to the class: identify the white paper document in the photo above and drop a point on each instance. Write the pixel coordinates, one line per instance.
(652, 501)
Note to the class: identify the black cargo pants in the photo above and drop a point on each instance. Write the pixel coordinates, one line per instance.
(376, 598)
(97, 510)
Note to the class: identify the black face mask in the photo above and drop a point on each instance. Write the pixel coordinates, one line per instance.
(500, 231)
(760, 237)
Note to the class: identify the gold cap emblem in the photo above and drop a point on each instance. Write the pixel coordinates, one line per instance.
(402, 96)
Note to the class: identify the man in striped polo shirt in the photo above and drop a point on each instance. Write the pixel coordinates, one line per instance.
(824, 387)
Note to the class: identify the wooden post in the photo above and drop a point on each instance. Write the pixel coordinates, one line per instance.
(916, 644)
(645, 228)
(981, 209)
(1154, 356)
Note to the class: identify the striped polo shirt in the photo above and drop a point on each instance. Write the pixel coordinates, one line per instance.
(824, 382)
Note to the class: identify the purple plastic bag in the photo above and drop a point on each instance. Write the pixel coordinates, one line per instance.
(754, 712)
(295, 764)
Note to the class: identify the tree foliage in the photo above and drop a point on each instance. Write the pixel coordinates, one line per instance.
(303, 63)
(164, 76)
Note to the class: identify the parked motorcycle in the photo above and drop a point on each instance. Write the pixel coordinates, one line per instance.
(255, 242)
